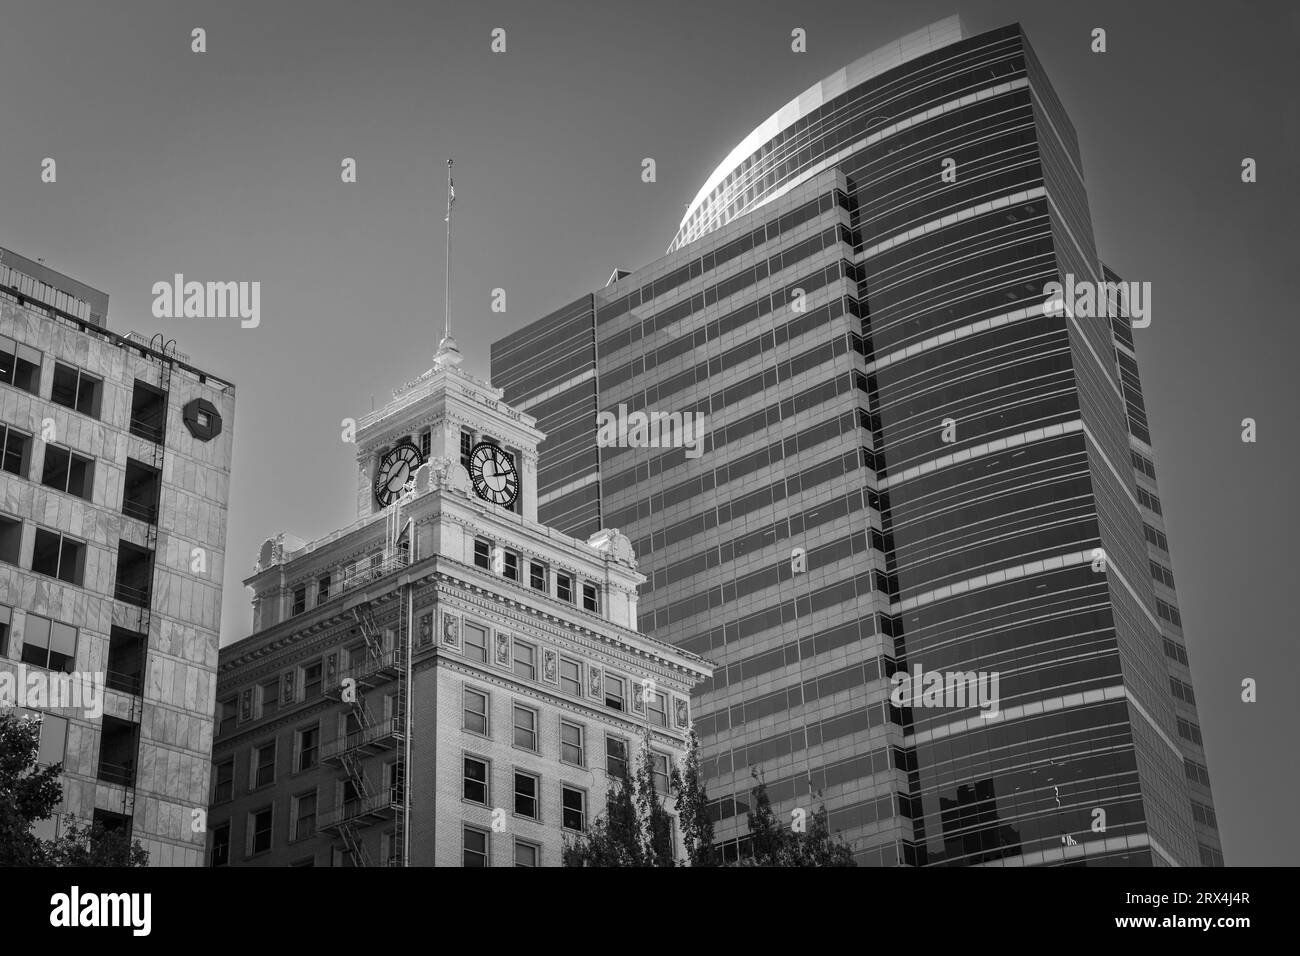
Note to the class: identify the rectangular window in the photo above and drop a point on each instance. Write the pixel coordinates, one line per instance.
(393, 774)
(426, 443)
(466, 446)
(49, 644)
(59, 556)
(1188, 730)
(570, 677)
(1161, 573)
(221, 845)
(615, 756)
(476, 781)
(476, 642)
(308, 747)
(525, 664)
(662, 773)
(590, 597)
(304, 824)
(614, 692)
(537, 576)
(564, 587)
(68, 472)
(300, 599)
(526, 790)
(323, 590)
(311, 681)
(6, 619)
(1148, 500)
(259, 831)
(76, 389)
(482, 553)
(15, 451)
(574, 809)
(351, 795)
(659, 709)
(264, 765)
(52, 739)
(126, 660)
(1155, 537)
(20, 365)
(224, 789)
(476, 712)
(140, 494)
(270, 697)
(1205, 815)
(510, 565)
(525, 720)
(134, 581)
(148, 412)
(1169, 613)
(228, 713)
(527, 854)
(571, 744)
(11, 536)
(474, 847)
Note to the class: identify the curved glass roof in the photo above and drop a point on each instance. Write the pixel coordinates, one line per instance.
(706, 212)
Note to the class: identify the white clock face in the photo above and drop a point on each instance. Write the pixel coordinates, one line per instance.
(493, 474)
(395, 470)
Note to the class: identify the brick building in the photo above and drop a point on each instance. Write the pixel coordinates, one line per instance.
(444, 630)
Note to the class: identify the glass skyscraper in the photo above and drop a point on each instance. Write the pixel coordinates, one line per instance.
(910, 464)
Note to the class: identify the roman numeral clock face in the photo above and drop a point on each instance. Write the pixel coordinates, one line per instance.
(493, 474)
(395, 470)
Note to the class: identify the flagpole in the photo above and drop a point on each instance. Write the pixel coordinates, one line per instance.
(446, 308)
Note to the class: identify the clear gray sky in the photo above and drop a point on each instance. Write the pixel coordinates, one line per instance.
(225, 166)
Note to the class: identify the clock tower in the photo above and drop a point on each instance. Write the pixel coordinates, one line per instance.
(450, 425)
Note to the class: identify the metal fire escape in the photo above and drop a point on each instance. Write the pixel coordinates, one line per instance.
(367, 735)
(165, 348)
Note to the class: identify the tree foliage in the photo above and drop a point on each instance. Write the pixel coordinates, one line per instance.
(693, 807)
(95, 845)
(30, 793)
(656, 826)
(635, 829)
(772, 844)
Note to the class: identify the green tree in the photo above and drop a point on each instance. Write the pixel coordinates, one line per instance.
(30, 793)
(635, 828)
(767, 839)
(614, 837)
(655, 824)
(693, 807)
(94, 845)
(771, 844)
(27, 793)
(816, 846)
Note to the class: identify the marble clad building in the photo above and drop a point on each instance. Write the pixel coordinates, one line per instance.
(114, 477)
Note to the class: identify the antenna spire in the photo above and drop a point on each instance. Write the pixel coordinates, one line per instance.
(448, 352)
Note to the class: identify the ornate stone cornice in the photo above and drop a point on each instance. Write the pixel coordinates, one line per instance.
(598, 641)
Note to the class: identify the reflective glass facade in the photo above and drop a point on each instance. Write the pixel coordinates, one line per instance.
(907, 464)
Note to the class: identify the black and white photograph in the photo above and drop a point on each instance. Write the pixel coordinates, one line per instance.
(726, 434)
